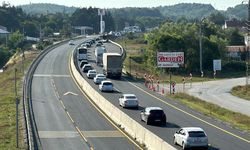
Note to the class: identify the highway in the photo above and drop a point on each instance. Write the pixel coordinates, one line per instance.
(221, 135)
(64, 116)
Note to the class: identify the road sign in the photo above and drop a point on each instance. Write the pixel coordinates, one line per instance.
(217, 64)
(170, 59)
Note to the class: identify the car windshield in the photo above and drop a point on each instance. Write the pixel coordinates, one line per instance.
(156, 112)
(100, 76)
(196, 134)
(130, 97)
(92, 72)
(107, 83)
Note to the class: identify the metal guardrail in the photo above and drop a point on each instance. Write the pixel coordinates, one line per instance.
(33, 140)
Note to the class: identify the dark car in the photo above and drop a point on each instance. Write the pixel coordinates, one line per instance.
(83, 62)
(152, 115)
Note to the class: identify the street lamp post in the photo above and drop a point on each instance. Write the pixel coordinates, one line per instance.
(200, 44)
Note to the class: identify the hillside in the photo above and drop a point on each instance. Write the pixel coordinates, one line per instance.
(187, 10)
(239, 11)
(173, 12)
(44, 8)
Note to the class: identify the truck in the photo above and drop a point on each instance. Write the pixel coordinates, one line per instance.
(82, 53)
(112, 65)
(99, 51)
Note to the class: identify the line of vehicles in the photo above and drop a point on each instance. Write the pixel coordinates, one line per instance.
(186, 137)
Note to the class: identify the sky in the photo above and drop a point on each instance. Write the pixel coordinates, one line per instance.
(218, 4)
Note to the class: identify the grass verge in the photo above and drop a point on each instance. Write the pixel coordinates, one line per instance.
(7, 104)
(235, 119)
(242, 92)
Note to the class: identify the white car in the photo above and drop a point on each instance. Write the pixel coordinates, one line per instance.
(86, 68)
(91, 74)
(128, 100)
(106, 86)
(71, 42)
(99, 78)
(191, 137)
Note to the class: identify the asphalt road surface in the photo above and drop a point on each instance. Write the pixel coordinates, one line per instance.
(221, 135)
(218, 92)
(64, 117)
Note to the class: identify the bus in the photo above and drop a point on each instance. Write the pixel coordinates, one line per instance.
(82, 53)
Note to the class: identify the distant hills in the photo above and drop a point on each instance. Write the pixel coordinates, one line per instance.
(174, 12)
(46, 8)
(187, 10)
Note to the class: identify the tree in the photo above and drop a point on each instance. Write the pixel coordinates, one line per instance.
(184, 37)
(217, 18)
(236, 38)
(15, 39)
(30, 28)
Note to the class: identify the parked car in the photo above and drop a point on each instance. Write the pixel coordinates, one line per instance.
(86, 68)
(83, 62)
(188, 137)
(106, 86)
(91, 74)
(128, 100)
(99, 78)
(152, 115)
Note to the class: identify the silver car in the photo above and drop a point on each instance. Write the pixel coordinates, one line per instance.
(191, 137)
(91, 74)
(128, 100)
(99, 78)
(106, 86)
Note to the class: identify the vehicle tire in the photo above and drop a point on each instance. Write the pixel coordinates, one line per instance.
(147, 122)
(163, 123)
(183, 146)
(141, 118)
(175, 143)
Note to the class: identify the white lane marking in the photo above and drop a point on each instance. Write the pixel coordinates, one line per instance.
(193, 116)
(50, 75)
(70, 93)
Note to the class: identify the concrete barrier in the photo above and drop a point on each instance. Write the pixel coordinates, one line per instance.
(133, 128)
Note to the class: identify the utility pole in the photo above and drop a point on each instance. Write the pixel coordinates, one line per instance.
(200, 44)
(101, 13)
(17, 101)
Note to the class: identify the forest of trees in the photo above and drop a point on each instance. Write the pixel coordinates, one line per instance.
(178, 31)
(184, 37)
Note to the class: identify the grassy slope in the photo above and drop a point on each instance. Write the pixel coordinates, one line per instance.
(7, 104)
(242, 92)
(236, 120)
